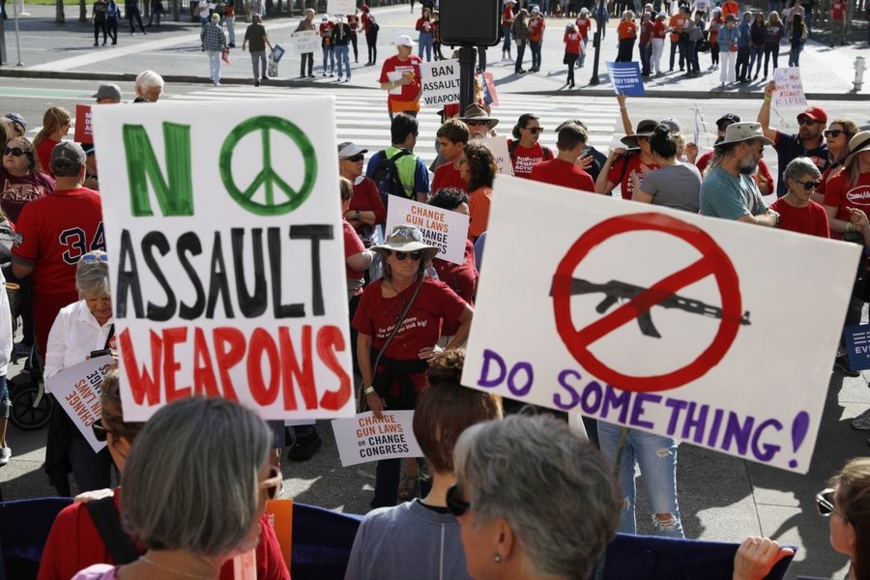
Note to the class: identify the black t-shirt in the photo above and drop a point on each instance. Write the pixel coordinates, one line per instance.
(100, 11)
(787, 148)
(255, 37)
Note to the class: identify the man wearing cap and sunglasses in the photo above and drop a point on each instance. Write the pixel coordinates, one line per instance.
(809, 141)
(763, 178)
(728, 190)
(478, 121)
(366, 208)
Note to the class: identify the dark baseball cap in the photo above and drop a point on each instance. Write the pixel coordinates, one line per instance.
(16, 119)
(67, 159)
(730, 117)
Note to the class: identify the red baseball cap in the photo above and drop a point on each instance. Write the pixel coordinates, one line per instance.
(816, 114)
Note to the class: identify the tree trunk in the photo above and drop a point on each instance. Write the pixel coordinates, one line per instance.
(175, 15)
(59, 16)
(83, 11)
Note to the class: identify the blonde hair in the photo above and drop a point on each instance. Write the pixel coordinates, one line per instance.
(53, 119)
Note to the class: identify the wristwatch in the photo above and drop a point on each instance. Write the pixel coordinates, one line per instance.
(356, 215)
(369, 390)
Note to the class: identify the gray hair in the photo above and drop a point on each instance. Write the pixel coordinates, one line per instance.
(190, 482)
(147, 79)
(800, 166)
(92, 277)
(555, 490)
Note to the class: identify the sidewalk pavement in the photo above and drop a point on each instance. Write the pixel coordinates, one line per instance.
(50, 50)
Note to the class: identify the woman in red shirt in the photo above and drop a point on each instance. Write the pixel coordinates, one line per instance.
(627, 31)
(524, 149)
(55, 124)
(536, 37)
(646, 36)
(573, 47)
(584, 27)
(424, 27)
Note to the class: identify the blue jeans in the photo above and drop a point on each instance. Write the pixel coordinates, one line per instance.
(754, 60)
(657, 458)
(425, 44)
(645, 56)
(90, 470)
(5, 403)
(536, 54)
(583, 54)
(506, 32)
(521, 52)
(342, 55)
(328, 54)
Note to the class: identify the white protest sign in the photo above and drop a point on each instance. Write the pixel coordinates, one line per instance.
(305, 41)
(499, 147)
(447, 230)
(364, 438)
(789, 90)
(228, 262)
(440, 80)
(77, 390)
(343, 7)
(660, 320)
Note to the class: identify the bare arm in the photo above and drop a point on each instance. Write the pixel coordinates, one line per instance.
(360, 261)
(623, 111)
(837, 225)
(464, 327)
(364, 357)
(764, 113)
(365, 217)
(21, 270)
(768, 218)
(602, 185)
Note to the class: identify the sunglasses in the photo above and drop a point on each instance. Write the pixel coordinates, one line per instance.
(100, 432)
(416, 256)
(455, 504)
(535, 130)
(806, 121)
(825, 503)
(833, 133)
(273, 484)
(808, 185)
(477, 123)
(357, 157)
(15, 151)
(94, 258)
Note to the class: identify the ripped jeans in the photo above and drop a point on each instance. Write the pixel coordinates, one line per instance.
(657, 458)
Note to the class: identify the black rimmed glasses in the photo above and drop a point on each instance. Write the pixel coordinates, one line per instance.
(357, 157)
(833, 132)
(825, 503)
(809, 185)
(535, 130)
(416, 256)
(455, 504)
(100, 432)
(807, 121)
(477, 123)
(14, 151)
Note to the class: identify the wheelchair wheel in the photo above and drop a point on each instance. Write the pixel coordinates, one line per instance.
(24, 415)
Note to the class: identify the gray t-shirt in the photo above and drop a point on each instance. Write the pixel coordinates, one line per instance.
(728, 197)
(677, 186)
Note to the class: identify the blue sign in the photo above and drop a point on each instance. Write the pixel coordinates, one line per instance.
(858, 346)
(626, 78)
(277, 53)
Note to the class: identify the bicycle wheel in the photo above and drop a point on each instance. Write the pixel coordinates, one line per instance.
(24, 415)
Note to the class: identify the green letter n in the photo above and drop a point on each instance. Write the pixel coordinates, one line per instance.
(176, 197)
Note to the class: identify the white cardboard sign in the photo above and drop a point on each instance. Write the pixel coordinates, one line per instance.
(227, 257)
(77, 390)
(660, 320)
(447, 230)
(363, 438)
(499, 147)
(343, 7)
(440, 80)
(304, 41)
(789, 90)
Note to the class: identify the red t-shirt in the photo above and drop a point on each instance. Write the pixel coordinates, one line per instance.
(838, 10)
(536, 28)
(375, 316)
(634, 164)
(446, 175)
(366, 18)
(839, 194)
(583, 25)
(677, 22)
(560, 172)
(507, 16)
(626, 29)
(15, 192)
(659, 28)
(353, 22)
(479, 201)
(366, 197)
(352, 245)
(74, 544)
(423, 25)
(524, 158)
(646, 32)
(731, 7)
(325, 33)
(811, 220)
(827, 174)
(43, 153)
(462, 279)
(58, 229)
(572, 42)
(407, 99)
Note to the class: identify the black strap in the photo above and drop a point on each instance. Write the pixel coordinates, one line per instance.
(109, 337)
(108, 522)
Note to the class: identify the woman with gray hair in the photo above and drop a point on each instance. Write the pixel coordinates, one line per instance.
(79, 330)
(190, 523)
(797, 211)
(533, 500)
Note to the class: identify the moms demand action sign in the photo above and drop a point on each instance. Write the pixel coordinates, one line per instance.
(660, 320)
(224, 235)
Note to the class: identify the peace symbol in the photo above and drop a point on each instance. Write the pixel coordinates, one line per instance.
(267, 176)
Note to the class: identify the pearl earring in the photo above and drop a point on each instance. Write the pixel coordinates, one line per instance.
(497, 558)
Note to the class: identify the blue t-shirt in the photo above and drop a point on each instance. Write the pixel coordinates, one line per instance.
(787, 148)
(728, 197)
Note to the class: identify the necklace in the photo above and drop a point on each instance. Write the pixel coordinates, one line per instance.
(148, 560)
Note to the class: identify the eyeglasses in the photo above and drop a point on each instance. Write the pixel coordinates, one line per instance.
(833, 133)
(808, 185)
(806, 121)
(477, 123)
(825, 503)
(273, 484)
(14, 151)
(535, 130)
(94, 258)
(100, 432)
(357, 157)
(455, 504)
(416, 256)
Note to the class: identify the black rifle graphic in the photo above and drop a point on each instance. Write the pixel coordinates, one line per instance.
(615, 290)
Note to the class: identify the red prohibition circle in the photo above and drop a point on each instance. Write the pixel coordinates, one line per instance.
(714, 262)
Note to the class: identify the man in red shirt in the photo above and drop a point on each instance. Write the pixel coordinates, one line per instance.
(838, 19)
(57, 230)
(452, 137)
(563, 170)
(401, 76)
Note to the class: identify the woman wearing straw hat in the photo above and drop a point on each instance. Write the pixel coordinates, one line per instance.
(399, 324)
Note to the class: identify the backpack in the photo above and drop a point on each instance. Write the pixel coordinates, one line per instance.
(512, 148)
(373, 26)
(386, 176)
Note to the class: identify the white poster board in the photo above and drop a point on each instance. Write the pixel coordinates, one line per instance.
(789, 90)
(499, 147)
(77, 390)
(447, 230)
(343, 7)
(227, 255)
(440, 80)
(655, 319)
(364, 438)
(304, 41)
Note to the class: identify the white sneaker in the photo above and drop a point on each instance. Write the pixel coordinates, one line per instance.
(5, 455)
(862, 421)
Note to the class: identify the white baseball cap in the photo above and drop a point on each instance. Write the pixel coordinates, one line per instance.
(404, 40)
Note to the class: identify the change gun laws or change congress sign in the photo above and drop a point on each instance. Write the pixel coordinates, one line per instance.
(660, 320)
(226, 255)
(446, 230)
(365, 438)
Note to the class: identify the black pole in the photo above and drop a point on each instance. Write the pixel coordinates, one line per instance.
(466, 76)
(600, 23)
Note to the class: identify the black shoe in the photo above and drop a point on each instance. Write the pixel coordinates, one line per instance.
(232, 45)
(256, 83)
(841, 363)
(305, 448)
